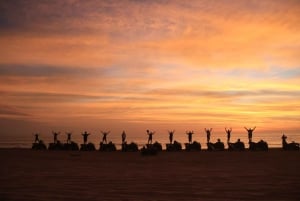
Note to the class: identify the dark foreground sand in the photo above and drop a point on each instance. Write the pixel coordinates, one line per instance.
(46, 175)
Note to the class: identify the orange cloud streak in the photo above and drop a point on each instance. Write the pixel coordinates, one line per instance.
(197, 63)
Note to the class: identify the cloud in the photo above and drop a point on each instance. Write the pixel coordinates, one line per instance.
(239, 34)
(158, 61)
(285, 73)
(42, 16)
(8, 111)
(46, 97)
(42, 71)
(224, 93)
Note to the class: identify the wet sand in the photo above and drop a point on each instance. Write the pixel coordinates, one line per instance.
(63, 175)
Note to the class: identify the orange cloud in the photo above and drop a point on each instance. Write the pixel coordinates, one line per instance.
(149, 62)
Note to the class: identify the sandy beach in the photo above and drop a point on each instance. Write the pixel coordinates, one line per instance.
(62, 175)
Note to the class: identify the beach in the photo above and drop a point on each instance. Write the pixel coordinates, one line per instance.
(77, 175)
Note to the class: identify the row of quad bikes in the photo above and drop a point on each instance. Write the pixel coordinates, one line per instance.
(152, 149)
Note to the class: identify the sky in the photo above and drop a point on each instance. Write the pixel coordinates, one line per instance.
(136, 65)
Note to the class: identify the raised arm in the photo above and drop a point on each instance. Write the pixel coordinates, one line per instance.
(105, 133)
(254, 128)
(246, 128)
(189, 132)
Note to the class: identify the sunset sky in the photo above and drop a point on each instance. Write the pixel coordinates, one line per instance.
(136, 65)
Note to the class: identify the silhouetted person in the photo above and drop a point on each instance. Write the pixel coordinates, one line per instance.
(228, 131)
(55, 134)
(190, 136)
(250, 132)
(85, 137)
(208, 132)
(104, 136)
(69, 137)
(123, 137)
(150, 136)
(36, 140)
(171, 133)
(284, 137)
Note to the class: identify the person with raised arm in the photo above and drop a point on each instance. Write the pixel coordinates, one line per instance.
(250, 133)
(150, 136)
(228, 131)
(104, 138)
(208, 133)
(190, 136)
(85, 137)
(171, 133)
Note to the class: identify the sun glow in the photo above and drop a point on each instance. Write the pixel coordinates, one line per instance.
(199, 64)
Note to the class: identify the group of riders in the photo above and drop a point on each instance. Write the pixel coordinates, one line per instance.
(150, 136)
(85, 137)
